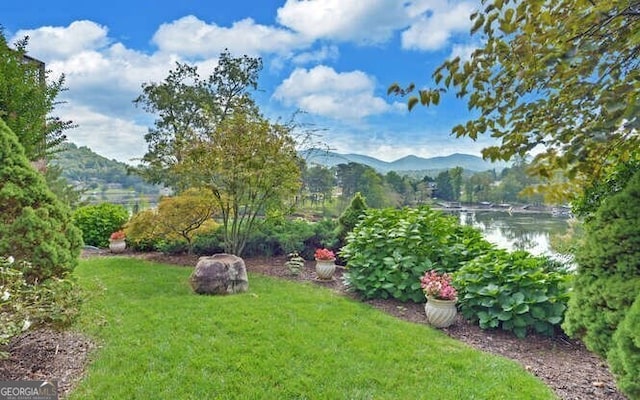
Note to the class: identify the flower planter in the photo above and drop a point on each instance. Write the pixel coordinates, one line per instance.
(117, 245)
(325, 269)
(440, 313)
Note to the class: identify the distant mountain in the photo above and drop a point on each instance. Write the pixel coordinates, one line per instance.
(406, 164)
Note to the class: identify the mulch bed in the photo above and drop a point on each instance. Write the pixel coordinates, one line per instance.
(562, 363)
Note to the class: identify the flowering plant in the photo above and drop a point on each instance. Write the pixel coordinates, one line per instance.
(324, 254)
(117, 235)
(437, 285)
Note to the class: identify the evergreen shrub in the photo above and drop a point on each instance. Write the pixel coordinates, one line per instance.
(34, 225)
(624, 356)
(607, 279)
(350, 217)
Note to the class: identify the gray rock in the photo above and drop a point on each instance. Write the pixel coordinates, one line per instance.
(220, 274)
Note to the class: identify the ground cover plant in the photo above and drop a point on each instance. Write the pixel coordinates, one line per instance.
(515, 292)
(279, 340)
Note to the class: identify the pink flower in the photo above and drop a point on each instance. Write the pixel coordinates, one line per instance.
(324, 254)
(437, 285)
(118, 235)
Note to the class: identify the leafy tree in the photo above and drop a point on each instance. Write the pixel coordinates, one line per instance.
(609, 184)
(209, 134)
(559, 76)
(250, 165)
(456, 181)
(608, 276)
(444, 188)
(34, 225)
(27, 100)
(319, 180)
(355, 177)
(189, 108)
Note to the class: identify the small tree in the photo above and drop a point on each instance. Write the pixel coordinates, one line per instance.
(184, 214)
(34, 225)
(608, 277)
(251, 166)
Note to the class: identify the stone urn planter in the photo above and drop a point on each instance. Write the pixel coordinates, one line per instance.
(440, 313)
(325, 269)
(117, 245)
(325, 264)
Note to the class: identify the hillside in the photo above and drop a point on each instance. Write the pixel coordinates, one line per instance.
(406, 164)
(100, 177)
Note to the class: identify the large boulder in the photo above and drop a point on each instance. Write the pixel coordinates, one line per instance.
(220, 274)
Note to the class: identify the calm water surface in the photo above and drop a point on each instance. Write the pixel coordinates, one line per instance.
(517, 231)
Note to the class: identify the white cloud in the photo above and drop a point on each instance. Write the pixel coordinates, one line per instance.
(363, 21)
(325, 53)
(60, 42)
(323, 91)
(109, 136)
(190, 36)
(437, 22)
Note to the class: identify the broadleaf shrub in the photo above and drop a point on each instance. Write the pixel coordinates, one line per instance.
(97, 222)
(34, 225)
(177, 221)
(516, 292)
(608, 275)
(389, 250)
(624, 356)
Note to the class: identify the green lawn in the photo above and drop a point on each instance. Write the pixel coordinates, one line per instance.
(281, 340)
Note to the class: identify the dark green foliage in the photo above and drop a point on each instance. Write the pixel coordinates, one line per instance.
(27, 97)
(98, 222)
(608, 275)
(598, 191)
(516, 292)
(624, 356)
(208, 243)
(173, 247)
(350, 217)
(34, 225)
(390, 249)
(278, 236)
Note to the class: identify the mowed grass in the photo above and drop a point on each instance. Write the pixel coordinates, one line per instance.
(281, 340)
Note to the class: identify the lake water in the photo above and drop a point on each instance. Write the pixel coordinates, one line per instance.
(517, 231)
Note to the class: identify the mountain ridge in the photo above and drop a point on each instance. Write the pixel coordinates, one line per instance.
(407, 163)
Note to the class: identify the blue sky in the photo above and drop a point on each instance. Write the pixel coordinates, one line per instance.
(333, 59)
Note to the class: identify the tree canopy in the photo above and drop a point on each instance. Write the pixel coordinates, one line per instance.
(189, 108)
(27, 100)
(210, 134)
(559, 77)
